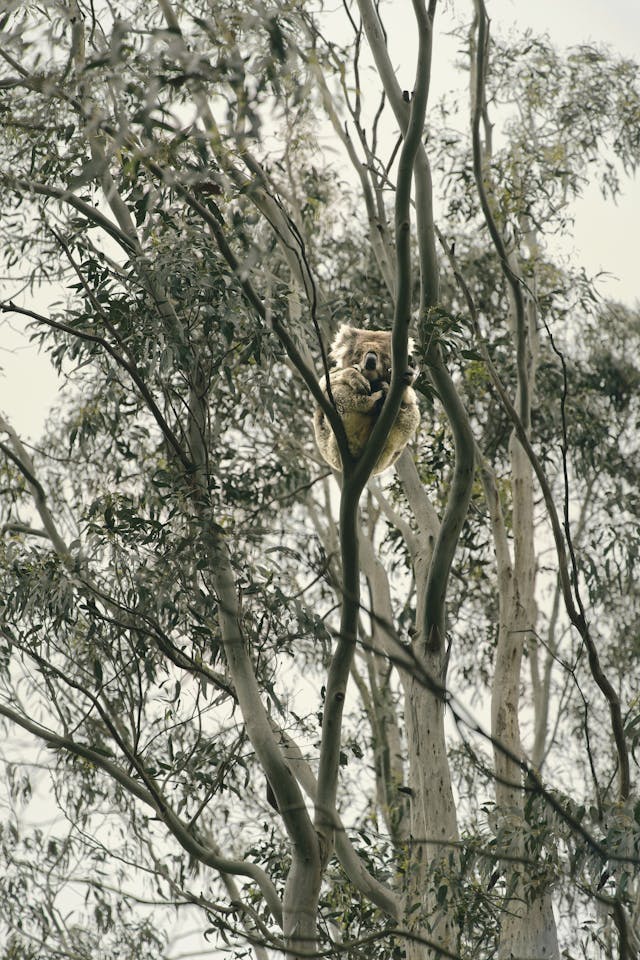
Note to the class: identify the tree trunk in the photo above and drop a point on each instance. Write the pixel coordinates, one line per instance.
(528, 930)
(433, 817)
(300, 905)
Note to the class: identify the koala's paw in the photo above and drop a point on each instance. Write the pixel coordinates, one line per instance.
(355, 379)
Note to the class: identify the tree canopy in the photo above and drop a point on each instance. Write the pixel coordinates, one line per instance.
(253, 707)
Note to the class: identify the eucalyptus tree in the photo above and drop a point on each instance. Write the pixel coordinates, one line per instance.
(235, 669)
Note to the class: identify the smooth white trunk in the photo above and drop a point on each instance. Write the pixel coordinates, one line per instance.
(300, 905)
(433, 822)
(528, 929)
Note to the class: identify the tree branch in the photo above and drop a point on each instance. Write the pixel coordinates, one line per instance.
(181, 832)
(354, 478)
(576, 615)
(19, 456)
(460, 493)
(129, 365)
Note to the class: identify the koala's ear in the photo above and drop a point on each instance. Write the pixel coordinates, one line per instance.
(342, 339)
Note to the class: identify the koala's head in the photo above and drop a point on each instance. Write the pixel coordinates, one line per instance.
(370, 352)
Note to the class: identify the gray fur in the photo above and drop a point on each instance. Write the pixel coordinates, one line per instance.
(359, 393)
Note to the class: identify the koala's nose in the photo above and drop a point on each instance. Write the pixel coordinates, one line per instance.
(371, 361)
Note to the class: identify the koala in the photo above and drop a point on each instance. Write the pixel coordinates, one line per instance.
(359, 385)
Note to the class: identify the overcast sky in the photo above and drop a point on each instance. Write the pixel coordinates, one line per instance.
(604, 236)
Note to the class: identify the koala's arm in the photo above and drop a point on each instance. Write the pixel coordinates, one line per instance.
(352, 393)
(358, 409)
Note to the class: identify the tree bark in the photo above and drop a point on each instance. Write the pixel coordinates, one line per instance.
(528, 927)
(433, 822)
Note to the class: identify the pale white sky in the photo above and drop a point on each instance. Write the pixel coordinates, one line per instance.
(604, 235)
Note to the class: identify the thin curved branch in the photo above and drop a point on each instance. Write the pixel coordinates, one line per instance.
(352, 864)
(181, 832)
(91, 213)
(576, 613)
(19, 456)
(460, 493)
(145, 625)
(433, 626)
(21, 527)
(128, 365)
(355, 478)
(479, 64)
